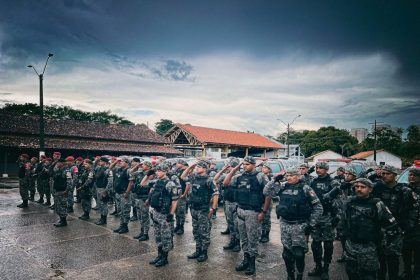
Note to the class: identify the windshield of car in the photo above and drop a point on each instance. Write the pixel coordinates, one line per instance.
(403, 178)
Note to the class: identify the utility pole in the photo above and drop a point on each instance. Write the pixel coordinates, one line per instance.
(288, 133)
(374, 138)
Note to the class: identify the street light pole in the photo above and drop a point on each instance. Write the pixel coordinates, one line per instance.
(41, 107)
(288, 133)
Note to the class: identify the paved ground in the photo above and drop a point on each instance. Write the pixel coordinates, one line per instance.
(32, 248)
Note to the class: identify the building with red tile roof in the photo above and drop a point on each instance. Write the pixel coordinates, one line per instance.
(204, 141)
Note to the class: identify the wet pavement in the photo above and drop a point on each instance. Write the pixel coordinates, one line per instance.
(32, 248)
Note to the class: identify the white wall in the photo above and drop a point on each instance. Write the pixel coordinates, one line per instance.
(387, 158)
(326, 155)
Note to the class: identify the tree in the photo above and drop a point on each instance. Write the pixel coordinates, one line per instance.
(162, 126)
(411, 148)
(65, 113)
(325, 138)
(386, 139)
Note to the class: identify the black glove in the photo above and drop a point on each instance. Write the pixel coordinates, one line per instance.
(150, 172)
(312, 169)
(308, 229)
(278, 178)
(170, 218)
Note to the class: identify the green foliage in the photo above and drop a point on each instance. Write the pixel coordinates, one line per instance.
(162, 126)
(325, 138)
(386, 139)
(65, 113)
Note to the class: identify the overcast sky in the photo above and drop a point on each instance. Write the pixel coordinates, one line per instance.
(238, 65)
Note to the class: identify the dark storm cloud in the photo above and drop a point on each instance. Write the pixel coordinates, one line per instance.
(264, 28)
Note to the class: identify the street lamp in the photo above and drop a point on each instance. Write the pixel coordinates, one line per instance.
(288, 132)
(41, 106)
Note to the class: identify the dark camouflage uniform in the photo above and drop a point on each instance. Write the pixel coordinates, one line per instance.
(86, 181)
(143, 210)
(162, 227)
(62, 182)
(23, 181)
(230, 208)
(103, 188)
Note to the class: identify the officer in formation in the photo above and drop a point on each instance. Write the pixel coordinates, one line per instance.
(23, 182)
(122, 178)
(230, 205)
(163, 197)
(250, 199)
(79, 164)
(403, 204)
(323, 233)
(52, 169)
(364, 217)
(104, 179)
(86, 181)
(411, 244)
(266, 224)
(37, 173)
(62, 183)
(32, 176)
(201, 190)
(74, 174)
(140, 194)
(135, 166)
(181, 207)
(305, 172)
(44, 179)
(299, 209)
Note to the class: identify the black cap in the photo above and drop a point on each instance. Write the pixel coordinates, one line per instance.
(104, 159)
(136, 159)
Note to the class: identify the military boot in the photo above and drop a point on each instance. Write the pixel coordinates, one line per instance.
(61, 223)
(290, 267)
(124, 229)
(230, 245)
(85, 216)
(225, 232)
(264, 236)
(52, 207)
(251, 267)
(139, 235)
(118, 229)
(102, 221)
(299, 276)
(41, 199)
(176, 227)
(70, 209)
(324, 274)
(181, 229)
(163, 260)
(203, 256)
(244, 264)
(24, 204)
(114, 213)
(155, 260)
(237, 247)
(144, 237)
(48, 203)
(196, 254)
(32, 197)
(316, 271)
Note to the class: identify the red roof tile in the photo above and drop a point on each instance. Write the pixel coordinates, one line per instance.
(364, 154)
(220, 136)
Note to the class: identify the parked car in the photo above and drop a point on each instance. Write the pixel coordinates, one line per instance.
(403, 178)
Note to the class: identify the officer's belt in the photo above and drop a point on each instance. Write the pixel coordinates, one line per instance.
(293, 222)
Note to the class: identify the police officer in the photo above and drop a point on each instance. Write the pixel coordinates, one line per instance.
(363, 218)
(249, 196)
(140, 194)
(162, 198)
(44, 181)
(411, 245)
(62, 182)
(52, 169)
(74, 174)
(32, 176)
(230, 205)
(103, 179)
(402, 202)
(79, 164)
(266, 224)
(86, 181)
(340, 174)
(23, 182)
(299, 209)
(135, 165)
(122, 179)
(323, 233)
(181, 206)
(305, 171)
(37, 172)
(201, 191)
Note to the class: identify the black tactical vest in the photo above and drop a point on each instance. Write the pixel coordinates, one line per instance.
(362, 220)
(322, 186)
(60, 181)
(160, 198)
(142, 192)
(200, 193)
(294, 205)
(101, 177)
(121, 180)
(249, 192)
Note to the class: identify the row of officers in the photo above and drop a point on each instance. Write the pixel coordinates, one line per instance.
(376, 219)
